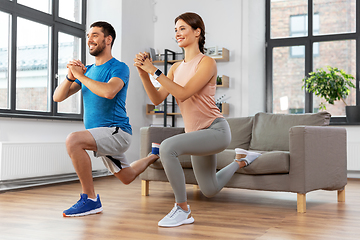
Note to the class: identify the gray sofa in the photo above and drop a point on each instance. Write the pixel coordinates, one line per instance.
(300, 153)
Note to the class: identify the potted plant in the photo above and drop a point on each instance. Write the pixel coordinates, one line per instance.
(218, 80)
(332, 86)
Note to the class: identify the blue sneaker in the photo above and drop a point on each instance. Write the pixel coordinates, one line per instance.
(84, 207)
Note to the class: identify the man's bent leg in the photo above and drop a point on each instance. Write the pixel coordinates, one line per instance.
(76, 144)
(127, 175)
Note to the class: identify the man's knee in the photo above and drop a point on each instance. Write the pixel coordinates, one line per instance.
(71, 139)
(83, 140)
(125, 175)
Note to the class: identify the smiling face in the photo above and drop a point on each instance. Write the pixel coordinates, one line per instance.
(96, 41)
(185, 35)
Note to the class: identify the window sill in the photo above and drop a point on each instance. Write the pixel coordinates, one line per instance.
(342, 121)
(33, 116)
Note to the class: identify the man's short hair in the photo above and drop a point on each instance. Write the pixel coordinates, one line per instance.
(107, 29)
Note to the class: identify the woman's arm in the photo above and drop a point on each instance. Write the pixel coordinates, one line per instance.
(206, 73)
(156, 96)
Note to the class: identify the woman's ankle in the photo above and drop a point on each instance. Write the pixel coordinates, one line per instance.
(241, 163)
(183, 205)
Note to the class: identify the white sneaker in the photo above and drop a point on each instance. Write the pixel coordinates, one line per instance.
(250, 156)
(176, 217)
(241, 151)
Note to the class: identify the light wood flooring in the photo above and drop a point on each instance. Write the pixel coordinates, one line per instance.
(232, 214)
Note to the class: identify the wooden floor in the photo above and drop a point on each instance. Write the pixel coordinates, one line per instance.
(233, 214)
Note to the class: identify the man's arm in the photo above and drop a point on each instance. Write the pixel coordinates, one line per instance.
(106, 90)
(65, 90)
(68, 87)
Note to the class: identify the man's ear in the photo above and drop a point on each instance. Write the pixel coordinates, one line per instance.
(109, 40)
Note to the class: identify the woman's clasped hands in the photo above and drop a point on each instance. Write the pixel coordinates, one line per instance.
(143, 61)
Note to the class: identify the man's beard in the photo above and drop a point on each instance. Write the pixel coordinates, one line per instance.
(99, 49)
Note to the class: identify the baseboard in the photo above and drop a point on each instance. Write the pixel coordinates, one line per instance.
(353, 174)
(45, 180)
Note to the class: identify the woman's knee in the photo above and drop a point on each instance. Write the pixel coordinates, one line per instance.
(207, 192)
(166, 148)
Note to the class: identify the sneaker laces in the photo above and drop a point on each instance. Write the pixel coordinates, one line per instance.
(173, 211)
(81, 202)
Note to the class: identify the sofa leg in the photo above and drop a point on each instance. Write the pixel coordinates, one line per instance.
(341, 195)
(145, 187)
(301, 203)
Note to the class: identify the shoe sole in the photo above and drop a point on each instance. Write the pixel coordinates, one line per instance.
(95, 211)
(187, 221)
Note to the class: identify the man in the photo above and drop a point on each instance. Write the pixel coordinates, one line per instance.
(108, 131)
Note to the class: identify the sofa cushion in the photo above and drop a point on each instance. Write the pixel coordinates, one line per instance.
(268, 163)
(271, 131)
(273, 162)
(241, 129)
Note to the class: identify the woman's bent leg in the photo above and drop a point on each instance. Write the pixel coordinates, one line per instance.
(199, 143)
(210, 181)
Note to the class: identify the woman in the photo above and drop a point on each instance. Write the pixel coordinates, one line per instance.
(193, 84)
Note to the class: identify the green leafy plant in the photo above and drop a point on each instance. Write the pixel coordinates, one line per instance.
(332, 85)
(218, 80)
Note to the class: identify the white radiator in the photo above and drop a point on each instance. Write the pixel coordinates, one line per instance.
(353, 156)
(33, 160)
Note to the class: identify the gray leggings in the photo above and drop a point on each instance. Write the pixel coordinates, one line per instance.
(202, 145)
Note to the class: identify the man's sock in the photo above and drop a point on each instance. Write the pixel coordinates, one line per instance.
(155, 148)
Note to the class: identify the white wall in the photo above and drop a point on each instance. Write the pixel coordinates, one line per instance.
(253, 57)
(137, 36)
(32, 130)
(236, 25)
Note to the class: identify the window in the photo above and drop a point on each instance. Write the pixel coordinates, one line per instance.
(299, 43)
(32, 66)
(70, 10)
(40, 38)
(69, 48)
(342, 55)
(286, 75)
(41, 5)
(4, 62)
(299, 27)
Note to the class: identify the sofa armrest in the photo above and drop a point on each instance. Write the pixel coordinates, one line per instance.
(149, 135)
(318, 158)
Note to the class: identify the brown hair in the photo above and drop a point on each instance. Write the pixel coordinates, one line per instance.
(107, 29)
(195, 21)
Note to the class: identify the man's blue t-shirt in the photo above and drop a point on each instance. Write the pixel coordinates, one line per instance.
(103, 112)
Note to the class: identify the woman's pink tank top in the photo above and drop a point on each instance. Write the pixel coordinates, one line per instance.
(198, 111)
